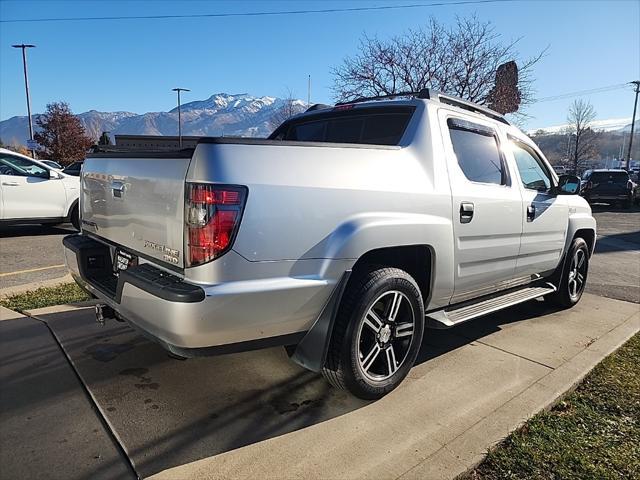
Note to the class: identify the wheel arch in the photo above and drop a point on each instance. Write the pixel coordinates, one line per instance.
(417, 260)
(589, 236)
(73, 204)
(581, 225)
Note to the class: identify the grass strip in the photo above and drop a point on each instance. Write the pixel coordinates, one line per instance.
(594, 432)
(45, 297)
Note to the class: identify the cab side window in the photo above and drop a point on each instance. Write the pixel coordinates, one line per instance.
(533, 173)
(476, 148)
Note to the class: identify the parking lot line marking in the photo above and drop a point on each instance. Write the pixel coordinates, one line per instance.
(31, 270)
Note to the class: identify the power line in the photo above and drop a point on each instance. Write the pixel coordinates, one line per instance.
(258, 14)
(608, 88)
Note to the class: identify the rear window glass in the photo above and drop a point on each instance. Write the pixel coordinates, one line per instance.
(374, 126)
(617, 177)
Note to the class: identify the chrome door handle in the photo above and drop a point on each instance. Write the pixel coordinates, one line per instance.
(117, 189)
(11, 184)
(466, 212)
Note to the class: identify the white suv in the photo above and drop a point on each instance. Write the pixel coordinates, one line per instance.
(33, 192)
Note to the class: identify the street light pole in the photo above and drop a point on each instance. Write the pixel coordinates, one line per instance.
(633, 122)
(26, 87)
(178, 90)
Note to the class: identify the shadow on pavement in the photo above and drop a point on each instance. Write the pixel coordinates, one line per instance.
(7, 231)
(439, 342)
(618, 242)
(613, 207)
(170, 412)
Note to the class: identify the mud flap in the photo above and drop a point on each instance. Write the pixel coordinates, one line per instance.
(311, 352)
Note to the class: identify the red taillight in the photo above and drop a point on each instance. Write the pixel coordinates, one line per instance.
(209, 195)
(212, 218)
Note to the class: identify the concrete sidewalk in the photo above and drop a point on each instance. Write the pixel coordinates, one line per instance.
(455, 407)
(49, 426)
(257, 415)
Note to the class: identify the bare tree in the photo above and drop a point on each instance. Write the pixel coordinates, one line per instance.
(462, 60)
(581, 114)
(290, 107)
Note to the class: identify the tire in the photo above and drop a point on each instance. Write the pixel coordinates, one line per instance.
(381, 318)
(572, 279)
(75, 218)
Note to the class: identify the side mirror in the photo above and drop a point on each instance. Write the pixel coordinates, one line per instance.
(568, 185)
(54, 175)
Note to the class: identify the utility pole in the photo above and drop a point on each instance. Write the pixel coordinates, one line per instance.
(309, 91)
(633, 122)
(178, 89)
(26, 87)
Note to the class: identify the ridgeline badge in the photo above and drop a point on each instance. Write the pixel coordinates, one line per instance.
(170, 255)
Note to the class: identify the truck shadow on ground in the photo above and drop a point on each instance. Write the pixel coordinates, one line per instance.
(613, 207)
(169, 412)
(439, 342)
(618, 242)
(9, 231)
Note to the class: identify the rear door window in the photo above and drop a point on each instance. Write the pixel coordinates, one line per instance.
(477, 151)
(373, 126)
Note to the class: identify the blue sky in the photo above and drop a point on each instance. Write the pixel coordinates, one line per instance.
(133, 64)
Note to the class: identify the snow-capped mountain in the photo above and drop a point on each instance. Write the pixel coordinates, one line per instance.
(220, 114)
(606, 125)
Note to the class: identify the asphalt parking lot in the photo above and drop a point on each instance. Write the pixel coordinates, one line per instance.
(31, 254)
(615, 268)
(83, 401)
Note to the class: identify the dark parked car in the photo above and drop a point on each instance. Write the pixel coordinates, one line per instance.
(609, 186)
(73, 169)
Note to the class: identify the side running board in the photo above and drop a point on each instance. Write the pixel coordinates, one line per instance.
(454, 316)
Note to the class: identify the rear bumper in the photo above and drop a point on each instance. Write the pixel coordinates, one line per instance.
(607, 196)
(199, 319)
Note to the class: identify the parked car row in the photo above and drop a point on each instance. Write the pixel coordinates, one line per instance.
(610, 186)
(35, 191)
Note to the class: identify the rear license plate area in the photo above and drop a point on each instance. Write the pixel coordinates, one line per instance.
(123, 260)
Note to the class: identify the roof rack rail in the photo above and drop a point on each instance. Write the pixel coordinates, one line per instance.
(317, 106)
(424, 93)
(469, 106)
(427, 93)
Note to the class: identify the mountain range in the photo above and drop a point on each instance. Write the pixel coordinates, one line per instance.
(220, 114)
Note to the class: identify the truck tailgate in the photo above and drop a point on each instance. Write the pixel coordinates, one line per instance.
(137, 201)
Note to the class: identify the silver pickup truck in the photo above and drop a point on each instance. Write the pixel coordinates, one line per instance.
(341, 237)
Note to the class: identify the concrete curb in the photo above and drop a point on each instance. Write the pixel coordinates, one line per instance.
(445, 457)
(466, 452)
(65, 307)
(18, 289)
(6, 314)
